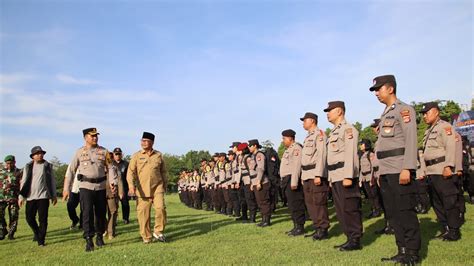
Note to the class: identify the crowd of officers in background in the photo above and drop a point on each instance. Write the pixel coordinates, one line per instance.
(398, 179)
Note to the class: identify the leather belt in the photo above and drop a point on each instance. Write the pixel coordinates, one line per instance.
(336, 166)
(308, 167)
(435, 161)
(390, 153)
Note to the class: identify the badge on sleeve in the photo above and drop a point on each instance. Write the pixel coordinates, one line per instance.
(448, 130)
(349, 133)
(406, 115)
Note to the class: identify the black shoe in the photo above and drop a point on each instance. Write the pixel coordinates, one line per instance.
(397, 258)
(292, 229)
(3, 234)
(252, 218)
(444, 231)
(41, 243)
(99, 241)
(73, 225)
(11, 236)
(311, 234)
(453, 234)
(321, 234)
(353, 244)
(242, 218)
(298, 231)
(265, 221)
(89, 244)
(126, 221)
(35, 237)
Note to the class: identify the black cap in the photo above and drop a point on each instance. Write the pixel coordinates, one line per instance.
(117, 150)
(234, 144)
(428, 106)
(35, 150)
(335, 104)
(375, 123)
(367, 143)
(230, 152)
(382, 80)
(215, 154)
(222, 154)
(91, 131)
(288, 133)
(310, 115)
(148, 135)
(254, 142)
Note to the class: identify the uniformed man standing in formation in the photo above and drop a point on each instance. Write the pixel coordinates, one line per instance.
(94, 167)
(260, 184)
(233, 189)
(147, 179)
(122, 167)
(315, 176)
(290, 171)
(396, 153)
(10, 178)
(439, 146)
(367, 180)
(247, 183)
(343, 168)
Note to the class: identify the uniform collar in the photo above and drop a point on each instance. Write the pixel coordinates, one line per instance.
(144, 152)
(343, 122)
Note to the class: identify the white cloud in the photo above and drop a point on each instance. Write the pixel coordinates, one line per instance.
(67, 79)
(14, 78)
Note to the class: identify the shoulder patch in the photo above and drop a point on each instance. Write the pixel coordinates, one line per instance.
(448, 130)
(296, 152)
(321, 135)
(349, 133)
(405, 115)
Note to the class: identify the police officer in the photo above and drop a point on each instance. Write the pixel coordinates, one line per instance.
(94, 166)
(260, 184)
(233, 189)
(396, 152)
(290, 172)
(366, 178)
(122, 167)
(147, 179)
(439, 154)
(343, 168)
(314, 176)
(246, 182)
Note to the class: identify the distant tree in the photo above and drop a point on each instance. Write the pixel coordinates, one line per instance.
(328, 131)
(267, 144)
(281, 150)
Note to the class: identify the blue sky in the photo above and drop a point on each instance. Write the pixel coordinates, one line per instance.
(201, 74)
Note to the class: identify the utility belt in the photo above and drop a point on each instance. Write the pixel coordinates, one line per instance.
(390, 153)
(82, 178)
(365, 173)
(253, 176)
(308, 167)
(435, 161)
(245, 174)
(336, 166)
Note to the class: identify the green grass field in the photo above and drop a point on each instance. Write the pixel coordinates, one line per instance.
(200, 237)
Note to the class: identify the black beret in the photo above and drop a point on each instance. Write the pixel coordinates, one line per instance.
(234, 144)
(288, 133)
(429, 106)
(148, 135)
(91, 131)
(382, 80)
(309, 115)
(335, 104)
(222, 154)
(117, 150)
(254, 142)
(230, 152)
(375, 123)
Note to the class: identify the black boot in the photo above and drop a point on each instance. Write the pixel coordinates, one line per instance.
(298, 231)
(444, 231)
(321, 233)
(411, 258)
(252, 218)
(99, 241)
(35, 237)
(243, 218)
(3, 233)
(265, 221)
(89, 244)
(353, 244)
(293, 229)
(453, 234)
(397, 258)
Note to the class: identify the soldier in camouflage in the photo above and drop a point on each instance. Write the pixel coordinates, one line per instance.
(10, 178)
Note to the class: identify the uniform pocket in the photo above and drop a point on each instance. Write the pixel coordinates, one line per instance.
(333, 144)
(387, 130)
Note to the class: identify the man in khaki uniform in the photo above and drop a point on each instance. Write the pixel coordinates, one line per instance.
(147, 180)
(290, 172)
(260, 184)
(396, 153)
(367, 180)
(246, 182)
(314, 176)
(112, 205)
(343, 168)
(94, 166)
(440, 160)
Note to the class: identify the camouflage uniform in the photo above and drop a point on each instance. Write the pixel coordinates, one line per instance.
(9, 191)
